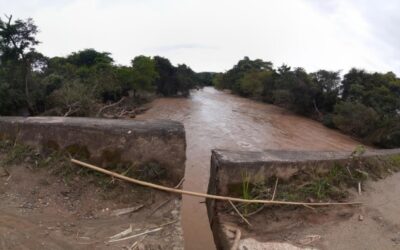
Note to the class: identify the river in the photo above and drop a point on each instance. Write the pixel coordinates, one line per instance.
(217, 119)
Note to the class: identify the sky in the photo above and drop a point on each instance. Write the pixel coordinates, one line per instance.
(212, 35)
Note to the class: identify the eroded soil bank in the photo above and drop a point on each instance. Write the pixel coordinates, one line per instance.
(43, 210)
(370, 177)
(215, 119)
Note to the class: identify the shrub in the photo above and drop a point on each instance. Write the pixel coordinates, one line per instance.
(355, 118)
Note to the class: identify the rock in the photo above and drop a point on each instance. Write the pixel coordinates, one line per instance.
(360, 217)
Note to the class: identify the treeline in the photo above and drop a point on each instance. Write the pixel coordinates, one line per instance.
(32, 84)
(362, 104)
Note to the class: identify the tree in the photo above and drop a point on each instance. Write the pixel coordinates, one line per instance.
(166, 83)
(327, 84)
(231, 78)
(297, 88)
(144, 74)
(187, 79)
(252, 83)
(89, 57)
(355, 118)
(19, 58)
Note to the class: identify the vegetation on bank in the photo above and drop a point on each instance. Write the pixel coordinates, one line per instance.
(80, 83)
(362, 104)
(58, 162)
(324, 182)
(85, 83)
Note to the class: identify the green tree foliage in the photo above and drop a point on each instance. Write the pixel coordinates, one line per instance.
(186, 79)
(252, 83)
(75, 84)
(206, 78)
(231, 79)
(355, 118)
(366, 105)
(174, 81)
(144, 74)
(166, 84)
(20, 63)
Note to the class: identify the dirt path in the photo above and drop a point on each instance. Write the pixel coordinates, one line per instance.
(380, 224)
(215, 119)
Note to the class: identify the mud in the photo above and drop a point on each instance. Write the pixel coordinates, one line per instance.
(216, 119)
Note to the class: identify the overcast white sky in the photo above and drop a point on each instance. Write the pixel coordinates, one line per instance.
(212, 35)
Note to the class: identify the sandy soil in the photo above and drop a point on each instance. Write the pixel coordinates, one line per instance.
(39, 210)
(216, 119)
(373, 225)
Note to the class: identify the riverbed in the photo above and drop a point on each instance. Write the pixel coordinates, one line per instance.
(218, 119)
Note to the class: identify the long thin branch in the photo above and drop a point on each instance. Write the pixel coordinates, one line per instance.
(208, 196)
(110, 106)
(240, 214)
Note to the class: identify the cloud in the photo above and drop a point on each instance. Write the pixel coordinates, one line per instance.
(213, 35)
(189, 46)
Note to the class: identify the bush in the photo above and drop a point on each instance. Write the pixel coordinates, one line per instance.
(355, 118)
(327, 120)
(283, 98)
(73, 98)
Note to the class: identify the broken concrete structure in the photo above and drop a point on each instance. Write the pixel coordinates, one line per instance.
(270, 232)
(106, 142)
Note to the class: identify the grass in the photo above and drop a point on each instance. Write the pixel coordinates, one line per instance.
(58, 163)
(328, 183)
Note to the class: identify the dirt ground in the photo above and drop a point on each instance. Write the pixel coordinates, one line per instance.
(39, 210)
(373, 225)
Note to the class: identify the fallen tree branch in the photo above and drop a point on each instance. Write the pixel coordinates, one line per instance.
(73, 108)
(136, 235)
(203, 195)
(180, 183)
(110, 106)
(128, 210)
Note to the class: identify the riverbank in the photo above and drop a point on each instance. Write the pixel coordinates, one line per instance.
(217, 119)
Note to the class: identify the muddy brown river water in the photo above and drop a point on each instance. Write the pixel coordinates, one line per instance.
(217, 119)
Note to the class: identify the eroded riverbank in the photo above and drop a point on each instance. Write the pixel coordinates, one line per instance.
(216, 119)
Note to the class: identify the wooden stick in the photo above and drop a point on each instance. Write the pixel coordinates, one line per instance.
(263, 206)
(276, 185)
(110, 106)
(238, 212)
(257, 211)
(136, 235)
(208, 196)
(180, 183)
(159, 206)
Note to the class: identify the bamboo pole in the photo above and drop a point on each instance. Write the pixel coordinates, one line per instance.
(203, 195)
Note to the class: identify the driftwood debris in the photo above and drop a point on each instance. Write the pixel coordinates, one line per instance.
(137, 235)
(110, 106)
(128, 210)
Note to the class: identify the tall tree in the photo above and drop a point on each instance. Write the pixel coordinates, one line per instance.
(144, 74)
(18, 55)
